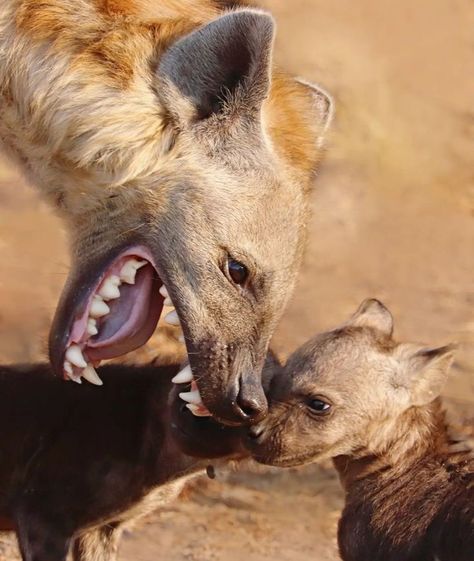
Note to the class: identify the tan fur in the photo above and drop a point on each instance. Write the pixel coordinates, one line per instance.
(162, 123)
(409, 483)
(78, 112)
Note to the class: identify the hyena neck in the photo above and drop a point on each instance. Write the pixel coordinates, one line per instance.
(419, 438)
(396, 509)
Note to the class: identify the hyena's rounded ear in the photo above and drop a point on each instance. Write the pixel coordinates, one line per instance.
(372, 313)
(323, 109)
(424, 371)
(226, 62)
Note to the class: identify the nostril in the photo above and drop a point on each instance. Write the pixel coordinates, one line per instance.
(250, 407)
(250, 403)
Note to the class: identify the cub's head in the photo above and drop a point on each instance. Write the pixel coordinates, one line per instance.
(345, 392)
(209, 216)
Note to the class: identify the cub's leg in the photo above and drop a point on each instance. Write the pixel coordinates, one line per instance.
(100, 544)
(40, 539)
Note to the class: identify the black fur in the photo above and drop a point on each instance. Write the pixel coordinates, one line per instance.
(75, 460)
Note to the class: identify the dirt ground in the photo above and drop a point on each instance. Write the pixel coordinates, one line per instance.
(393, 218)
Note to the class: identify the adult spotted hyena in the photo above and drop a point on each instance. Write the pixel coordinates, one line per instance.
(180, 161)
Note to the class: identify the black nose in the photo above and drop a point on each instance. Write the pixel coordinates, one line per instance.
(251, 403)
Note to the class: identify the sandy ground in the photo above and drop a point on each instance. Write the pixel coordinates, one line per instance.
(393, 218)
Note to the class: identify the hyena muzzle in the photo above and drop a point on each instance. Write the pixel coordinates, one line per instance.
(180, 160)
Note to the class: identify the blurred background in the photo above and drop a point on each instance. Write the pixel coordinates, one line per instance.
(393, 218)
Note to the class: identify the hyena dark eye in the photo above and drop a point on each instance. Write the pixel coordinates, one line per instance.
(237, 272)
(319, 406)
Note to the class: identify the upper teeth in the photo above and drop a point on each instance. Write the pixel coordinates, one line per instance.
(98, 307)
(110, 288)
(129, 270)
(74, 356)
(75, 365)
(92, 327)
(193, 398)
(91, 375)
(183, 377)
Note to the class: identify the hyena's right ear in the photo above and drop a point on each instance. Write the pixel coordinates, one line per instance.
(226, 62)
(322, 107)
(424, 371)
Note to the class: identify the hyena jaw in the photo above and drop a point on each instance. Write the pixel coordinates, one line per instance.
(164, 137)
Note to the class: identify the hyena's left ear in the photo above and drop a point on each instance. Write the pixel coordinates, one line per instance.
(222, 64)
(424, 371)
(372, 313)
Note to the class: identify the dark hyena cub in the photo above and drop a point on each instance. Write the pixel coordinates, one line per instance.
(79, 463)
(371, 404)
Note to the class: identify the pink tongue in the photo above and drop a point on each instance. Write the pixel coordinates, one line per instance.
(132, 318)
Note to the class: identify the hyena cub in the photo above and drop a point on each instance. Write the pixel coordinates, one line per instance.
(372, 404)
(77, 464)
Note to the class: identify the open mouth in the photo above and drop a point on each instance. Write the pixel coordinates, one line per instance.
(118, 314)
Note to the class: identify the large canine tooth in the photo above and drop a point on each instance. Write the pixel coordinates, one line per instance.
(74, 356)
(91, 375)
(110, 288)
(193, 397)
(183, 377)
(172, 318)
(98, 307)
(198, 410)
(92, 327)
(129, 270)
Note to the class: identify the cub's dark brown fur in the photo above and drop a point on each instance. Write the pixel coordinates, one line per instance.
(420, 508)
(78, 462)
(371, 404)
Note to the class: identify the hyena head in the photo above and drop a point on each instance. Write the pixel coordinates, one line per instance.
(352, 391)
(219, 223)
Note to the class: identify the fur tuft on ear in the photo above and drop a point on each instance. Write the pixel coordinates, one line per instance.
(428, 370)
(227, 60)
(372, 313)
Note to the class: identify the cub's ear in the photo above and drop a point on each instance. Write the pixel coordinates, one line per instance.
(425, 371)
(372, 313)
(227, 61)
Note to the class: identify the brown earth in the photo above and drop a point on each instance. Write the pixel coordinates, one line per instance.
(393, 218)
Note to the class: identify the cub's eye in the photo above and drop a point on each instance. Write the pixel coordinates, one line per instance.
(319, 406)
(237, 272)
